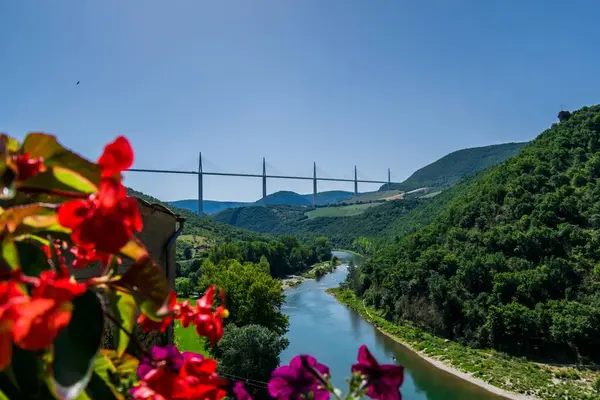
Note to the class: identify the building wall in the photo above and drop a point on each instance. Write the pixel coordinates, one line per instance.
(160, 224)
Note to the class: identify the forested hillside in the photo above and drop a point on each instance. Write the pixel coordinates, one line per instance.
(453, 167)
(202, 226)
(512, 261)
(384, 222)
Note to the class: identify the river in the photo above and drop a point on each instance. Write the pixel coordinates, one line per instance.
(332, 333)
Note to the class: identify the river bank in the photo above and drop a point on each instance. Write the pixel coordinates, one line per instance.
(510, 377)
(315, 271)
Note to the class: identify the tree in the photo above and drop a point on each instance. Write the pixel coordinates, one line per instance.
(253, 296)
(251, 352)
(183, 287)
(187, 253)
(564, 115)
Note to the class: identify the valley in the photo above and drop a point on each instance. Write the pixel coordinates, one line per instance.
(499, 266)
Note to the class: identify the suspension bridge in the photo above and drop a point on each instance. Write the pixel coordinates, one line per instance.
(201, 173)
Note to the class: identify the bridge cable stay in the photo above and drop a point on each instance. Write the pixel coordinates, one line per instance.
(188, 164)
(271, 170)
(210, 166)
(321, 173)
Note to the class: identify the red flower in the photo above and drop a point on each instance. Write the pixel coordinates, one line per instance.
(49, 311)
(209, 323)
(85, 256)
(201, 378)
(105, 221)
(186, 313)
(27, 166)
(148, 324)
(383, 380)
(10, 297)
(160, 384)
(117, 157)
(171, 375)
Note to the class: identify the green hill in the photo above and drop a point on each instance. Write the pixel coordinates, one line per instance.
(386, 220)
(513, 259)
(201, 226)
(453, 167)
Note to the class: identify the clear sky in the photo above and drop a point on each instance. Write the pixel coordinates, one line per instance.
(379, 84)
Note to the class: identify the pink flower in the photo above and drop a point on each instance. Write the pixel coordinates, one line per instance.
(295, 381)
(383, 380)
(240, 391)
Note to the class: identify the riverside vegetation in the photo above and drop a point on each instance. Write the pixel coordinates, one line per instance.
(510, 262)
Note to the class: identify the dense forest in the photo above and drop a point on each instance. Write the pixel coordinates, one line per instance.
(284, 256)
(512, 259)
(453, 167)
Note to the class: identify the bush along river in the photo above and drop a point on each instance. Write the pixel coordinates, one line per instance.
(332, 333)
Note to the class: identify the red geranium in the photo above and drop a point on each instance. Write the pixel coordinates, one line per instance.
(148, 324)
(27, 166)
(47, 313)
(117, 157)
(10, 297)
(106, 221)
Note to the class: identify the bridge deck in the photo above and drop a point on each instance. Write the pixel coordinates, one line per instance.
(164, 171)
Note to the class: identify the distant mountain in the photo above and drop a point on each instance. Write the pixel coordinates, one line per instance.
(210, 206)
(281, 197)
(453, 167)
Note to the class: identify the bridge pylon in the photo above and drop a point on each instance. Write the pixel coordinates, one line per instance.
(200, 187)
(264, 182)
(315, 185)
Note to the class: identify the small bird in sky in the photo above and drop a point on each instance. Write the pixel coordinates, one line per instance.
(77, 83)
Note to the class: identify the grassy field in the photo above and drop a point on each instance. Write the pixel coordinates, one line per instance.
(342, 211)
(372, 196)
(186, 339)
(506, 372)
(430, 195)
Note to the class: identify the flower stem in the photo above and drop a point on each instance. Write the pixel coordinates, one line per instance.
(131, 337)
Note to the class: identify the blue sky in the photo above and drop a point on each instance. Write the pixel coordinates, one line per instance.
(379, 84)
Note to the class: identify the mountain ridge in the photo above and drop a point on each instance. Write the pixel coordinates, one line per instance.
(453, 167)
(284, 197)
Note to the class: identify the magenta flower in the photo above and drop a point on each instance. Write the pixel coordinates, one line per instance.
(240, 391)
(161, 355)
(383, 380)
(293, 381)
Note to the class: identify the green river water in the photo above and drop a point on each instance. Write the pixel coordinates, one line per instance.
(332, 333)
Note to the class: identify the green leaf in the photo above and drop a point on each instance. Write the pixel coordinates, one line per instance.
(33, 259)
(123, 308)
(125, 365)
(28, 371)
(36, 215)
(57, 179)
(9, 257)
(134, 249)
(149, 285)
(54, 154)
(76, 346)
